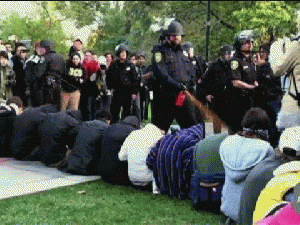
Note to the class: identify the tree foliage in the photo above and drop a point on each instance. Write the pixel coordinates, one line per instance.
(45, 27)
(131, 22)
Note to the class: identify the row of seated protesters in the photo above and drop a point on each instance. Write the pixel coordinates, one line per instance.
(239, 176)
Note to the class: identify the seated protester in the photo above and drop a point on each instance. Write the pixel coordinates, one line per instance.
(135, 150)
(261, 174)
(239, 154)
(109, 166)
(255, 182)
(288, 213)
(85, 152)
(279, 189)
(171, 159)
(8, 112)
(57, 131)
(25, 136)
(208, 175)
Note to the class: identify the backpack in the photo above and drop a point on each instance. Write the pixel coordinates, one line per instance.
(209, 175)
(297, 96)
(206, 191)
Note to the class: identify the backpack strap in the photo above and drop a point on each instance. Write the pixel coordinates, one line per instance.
(296, 97)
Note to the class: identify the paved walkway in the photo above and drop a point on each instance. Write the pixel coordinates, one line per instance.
(23, 177)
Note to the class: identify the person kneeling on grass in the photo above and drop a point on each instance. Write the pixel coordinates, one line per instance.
(58, 132)
(8, 112)
(110, 168)
(83, 157)
(135, 150)
(25, 137)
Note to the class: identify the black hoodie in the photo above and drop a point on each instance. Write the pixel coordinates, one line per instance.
(109, 166)
(57, 130)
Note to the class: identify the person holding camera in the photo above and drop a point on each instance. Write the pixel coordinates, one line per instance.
(285, 59)
(7, 77)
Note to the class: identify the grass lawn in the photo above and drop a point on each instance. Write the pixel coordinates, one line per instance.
(98, 202)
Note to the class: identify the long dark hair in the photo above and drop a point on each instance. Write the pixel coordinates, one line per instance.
(256, 124)
(70, 60)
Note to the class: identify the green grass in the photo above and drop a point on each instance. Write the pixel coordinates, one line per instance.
(101, 203)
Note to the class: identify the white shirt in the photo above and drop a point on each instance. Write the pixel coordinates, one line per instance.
(135, 150)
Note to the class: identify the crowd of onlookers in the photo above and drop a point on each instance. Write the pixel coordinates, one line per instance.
(66, 114)
(76, 83)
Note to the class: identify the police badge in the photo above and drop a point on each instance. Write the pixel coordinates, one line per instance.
(157, 57)
(234, 65)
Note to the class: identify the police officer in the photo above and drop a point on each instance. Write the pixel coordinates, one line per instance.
(200, 66)
(51, 71)
(216, 80)
(121, 77)
(174, 72)
(243, 80)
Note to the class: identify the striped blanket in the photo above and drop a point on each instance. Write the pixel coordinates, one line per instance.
(171, 160)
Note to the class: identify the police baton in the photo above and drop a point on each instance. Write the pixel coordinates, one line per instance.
(204, 109)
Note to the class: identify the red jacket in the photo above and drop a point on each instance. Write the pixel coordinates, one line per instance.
(90, 68)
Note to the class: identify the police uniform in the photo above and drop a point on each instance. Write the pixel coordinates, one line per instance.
(215, 82)
(122, 78)
(240, 100)
(172, 67)
(51, 71)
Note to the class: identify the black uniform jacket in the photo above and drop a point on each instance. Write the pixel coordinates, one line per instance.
(25, 137)
(122, 77)
(172, 66)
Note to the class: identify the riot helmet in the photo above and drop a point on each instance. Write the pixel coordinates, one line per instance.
(225, 52)
(245, 35)
(48, 45)
(175, 28)
(120, 48)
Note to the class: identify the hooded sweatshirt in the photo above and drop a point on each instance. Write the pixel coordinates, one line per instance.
(239, 155)
(108, 164)
(135, 150)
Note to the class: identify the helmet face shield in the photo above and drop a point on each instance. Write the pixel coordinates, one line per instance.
(175, 29)
(120, 48)
(243, 37)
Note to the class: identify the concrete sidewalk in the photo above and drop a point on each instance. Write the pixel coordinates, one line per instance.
(23, 177)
